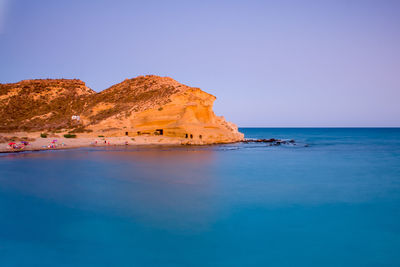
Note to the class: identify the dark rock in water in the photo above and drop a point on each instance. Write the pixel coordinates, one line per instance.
(261, 140)
(271, 141)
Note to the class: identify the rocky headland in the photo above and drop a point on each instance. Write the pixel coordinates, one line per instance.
(145, 109)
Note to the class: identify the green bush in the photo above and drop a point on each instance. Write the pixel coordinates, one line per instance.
(70, 135)
(101, 136)
(43, 135)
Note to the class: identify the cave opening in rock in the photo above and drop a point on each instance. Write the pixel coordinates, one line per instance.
(186, 135)
(126, 133)
(191, 136)
(159, 131)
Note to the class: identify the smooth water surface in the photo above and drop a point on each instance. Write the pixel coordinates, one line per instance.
(335, 202)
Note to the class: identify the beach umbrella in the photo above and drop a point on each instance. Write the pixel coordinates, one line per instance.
(24, 142)
(10, 144)
(55, 140)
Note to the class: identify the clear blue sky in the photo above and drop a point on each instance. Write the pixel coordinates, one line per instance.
(270, 63)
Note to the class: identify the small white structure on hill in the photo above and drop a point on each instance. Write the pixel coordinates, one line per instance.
(76, 117)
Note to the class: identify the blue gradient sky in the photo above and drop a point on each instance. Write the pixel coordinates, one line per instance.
(270, 63)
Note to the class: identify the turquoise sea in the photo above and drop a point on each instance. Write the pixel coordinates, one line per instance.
(335, 202)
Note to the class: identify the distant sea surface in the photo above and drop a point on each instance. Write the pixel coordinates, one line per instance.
(331, 200)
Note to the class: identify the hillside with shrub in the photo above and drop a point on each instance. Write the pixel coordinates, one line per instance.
(49, 104)
(43, 104)
(145, 105)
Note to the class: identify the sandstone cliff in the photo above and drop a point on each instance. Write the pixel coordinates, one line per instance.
(143, 106)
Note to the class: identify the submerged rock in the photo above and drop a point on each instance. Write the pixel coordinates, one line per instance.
(271, 141)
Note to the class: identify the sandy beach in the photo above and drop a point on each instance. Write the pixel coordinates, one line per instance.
(55, 142)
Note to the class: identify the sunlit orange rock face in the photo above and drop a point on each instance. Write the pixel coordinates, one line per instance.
(150, 106)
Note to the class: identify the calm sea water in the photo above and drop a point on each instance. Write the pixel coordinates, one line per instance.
(333, 203)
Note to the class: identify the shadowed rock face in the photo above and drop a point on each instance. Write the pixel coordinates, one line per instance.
(146, 105)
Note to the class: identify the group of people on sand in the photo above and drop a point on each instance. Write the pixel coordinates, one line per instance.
(15, 146)
(54, 144)
(105, 142)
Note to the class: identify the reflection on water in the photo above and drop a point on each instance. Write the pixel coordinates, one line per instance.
(230, 205)
(152, 185)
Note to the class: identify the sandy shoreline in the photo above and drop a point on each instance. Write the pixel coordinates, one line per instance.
(65, 143)
(58, 143)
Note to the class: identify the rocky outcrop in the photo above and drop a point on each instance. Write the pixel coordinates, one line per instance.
(143, 106)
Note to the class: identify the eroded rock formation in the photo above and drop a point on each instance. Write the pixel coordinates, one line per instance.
(146, 105)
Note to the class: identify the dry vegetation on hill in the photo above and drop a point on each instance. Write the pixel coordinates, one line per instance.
(33, 105)
(48, 104)
(139, 105)
(131, 95)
